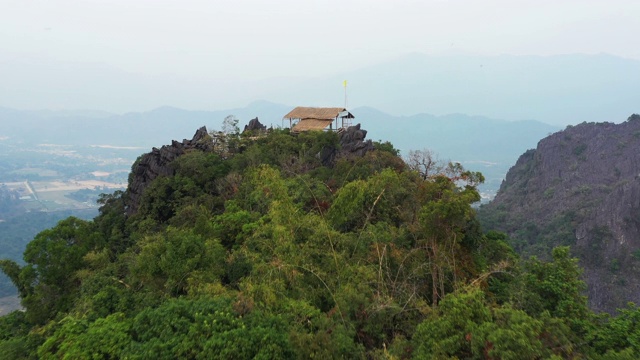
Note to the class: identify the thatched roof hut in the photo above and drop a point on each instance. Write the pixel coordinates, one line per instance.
(317, 118)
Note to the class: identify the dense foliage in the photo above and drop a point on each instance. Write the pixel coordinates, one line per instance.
(257, 250)
(22, 228)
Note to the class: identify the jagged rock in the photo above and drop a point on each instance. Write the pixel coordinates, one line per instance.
(580, 187)
(327, 155)
(352, 143)
(156, 163)
(254, 125)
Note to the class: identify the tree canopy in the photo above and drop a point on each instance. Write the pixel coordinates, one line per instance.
(258, 250)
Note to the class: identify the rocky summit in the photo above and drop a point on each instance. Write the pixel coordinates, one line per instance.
(155, 163)
(580, 187)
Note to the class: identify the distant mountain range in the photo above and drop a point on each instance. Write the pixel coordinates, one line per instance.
(480, 143)
(141, 129)
(560, 90)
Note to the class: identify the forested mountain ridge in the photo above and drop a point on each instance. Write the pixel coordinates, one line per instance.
(580, 187)
(272, 245)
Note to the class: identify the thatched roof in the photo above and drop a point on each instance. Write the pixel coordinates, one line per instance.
(332, 113)
(311, 124)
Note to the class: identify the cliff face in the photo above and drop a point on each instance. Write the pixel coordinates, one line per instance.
(579, 187)
(156, 163)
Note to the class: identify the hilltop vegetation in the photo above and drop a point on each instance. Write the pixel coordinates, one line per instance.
(253, 246)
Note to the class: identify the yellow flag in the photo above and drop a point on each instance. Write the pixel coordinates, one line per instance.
(344, 83)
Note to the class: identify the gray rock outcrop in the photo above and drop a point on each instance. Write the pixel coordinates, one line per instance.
(254, 125)
(580, 187)
(352, 143)
(155, 164)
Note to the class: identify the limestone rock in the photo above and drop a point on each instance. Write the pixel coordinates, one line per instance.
(580, 187)
(156, 163)
(254, 125)
(352, 143)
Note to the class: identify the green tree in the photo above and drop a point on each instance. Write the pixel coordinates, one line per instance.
(377, 199)
(48, 282)
(169, 262)
(443, 222)
(465, 326)
(448, 331)
(620, 333)
(111, 222)
(177, 329)
(16, 341)
(555, 287)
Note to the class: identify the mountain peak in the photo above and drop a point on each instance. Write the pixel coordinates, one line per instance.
(579, 187)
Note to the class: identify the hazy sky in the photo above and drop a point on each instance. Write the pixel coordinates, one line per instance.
(252, 40)
(260, 39)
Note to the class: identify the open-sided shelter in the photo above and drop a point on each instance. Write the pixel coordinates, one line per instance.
(318, 118)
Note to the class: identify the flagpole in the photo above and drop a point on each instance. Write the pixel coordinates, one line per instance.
(345, 93)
